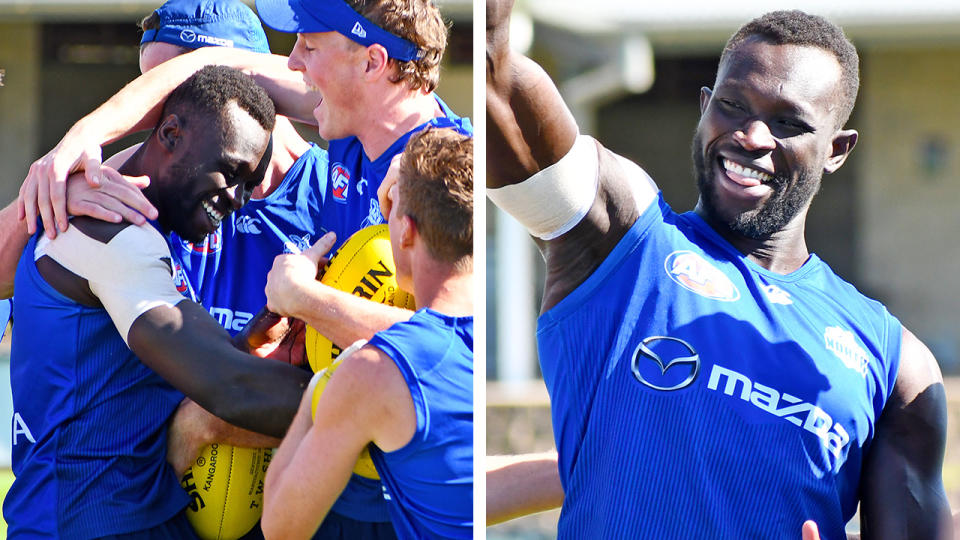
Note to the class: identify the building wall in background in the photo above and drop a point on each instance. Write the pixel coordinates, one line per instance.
(910, 251)
(19, 103)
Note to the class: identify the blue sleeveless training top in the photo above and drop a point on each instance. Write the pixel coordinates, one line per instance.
(5, 307)
(350, 201)
(696, 394)
(89, 424)
(428, 484)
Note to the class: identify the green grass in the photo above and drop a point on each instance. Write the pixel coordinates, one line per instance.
(6, 478)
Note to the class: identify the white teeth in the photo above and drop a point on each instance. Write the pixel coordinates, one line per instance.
(746, 171)
(212, 213)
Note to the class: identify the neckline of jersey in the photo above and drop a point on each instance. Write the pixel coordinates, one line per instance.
(812, 262)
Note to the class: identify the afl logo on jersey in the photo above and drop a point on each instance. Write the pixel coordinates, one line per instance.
(340, 180)
(692, 272)
(179, 278)
(212, 244)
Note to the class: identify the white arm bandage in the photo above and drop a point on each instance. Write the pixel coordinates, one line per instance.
(554, 200)
(128, 273)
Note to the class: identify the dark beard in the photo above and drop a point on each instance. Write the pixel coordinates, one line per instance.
(784, 205)
(176, 213)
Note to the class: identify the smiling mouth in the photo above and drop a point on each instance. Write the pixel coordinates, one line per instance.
(746, 176)
(213, 214)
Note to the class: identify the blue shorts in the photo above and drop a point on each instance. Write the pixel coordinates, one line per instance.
(339, 527)
(175, 527)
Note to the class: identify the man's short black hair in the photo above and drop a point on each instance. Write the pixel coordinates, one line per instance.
(208, 92)
(798, 28)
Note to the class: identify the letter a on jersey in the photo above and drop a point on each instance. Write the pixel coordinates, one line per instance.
(20, 428)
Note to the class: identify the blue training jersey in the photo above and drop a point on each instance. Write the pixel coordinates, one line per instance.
(89, 426)
(428, 483)
(226, 274)
(696, 394)
(350, 204)
(5, 307)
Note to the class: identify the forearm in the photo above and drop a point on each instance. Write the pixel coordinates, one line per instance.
(222, 432)
(291, 441)
(342, 317)
(251, 393)
(192, 428)
(521, 485)
(13, 238)
(139, 104)
(185, 346)
(304, 479)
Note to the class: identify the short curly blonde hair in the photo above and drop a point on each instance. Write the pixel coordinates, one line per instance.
(417, 21)
(436, 191)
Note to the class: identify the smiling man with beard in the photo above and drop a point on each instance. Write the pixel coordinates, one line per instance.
(106, 346)
(710, 377)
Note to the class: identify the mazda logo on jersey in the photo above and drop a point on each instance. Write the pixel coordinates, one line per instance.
(665, 363)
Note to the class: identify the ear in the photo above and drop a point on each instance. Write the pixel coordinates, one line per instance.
(842, 144)
(705, 95)
(408, 232)
(377, 61)
(169, 132)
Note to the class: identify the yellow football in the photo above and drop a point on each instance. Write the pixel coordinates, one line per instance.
(364, 466)
(226, 487)
(364, 267)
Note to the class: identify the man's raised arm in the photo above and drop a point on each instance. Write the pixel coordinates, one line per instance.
(529, 126)
(566, 190)
(13, 238)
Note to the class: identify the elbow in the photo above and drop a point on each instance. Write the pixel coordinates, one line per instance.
(273, 527)
(275, 524)
(270, 522)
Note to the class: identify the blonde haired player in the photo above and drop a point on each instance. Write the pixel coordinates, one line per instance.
(365, 74)
(408, 392)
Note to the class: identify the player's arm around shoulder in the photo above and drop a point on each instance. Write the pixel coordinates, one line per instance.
(13, 238)
(902, 494)
(366, 401)
(131, 276)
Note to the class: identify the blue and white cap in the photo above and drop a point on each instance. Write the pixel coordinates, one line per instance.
(305, 16)
(204, 23)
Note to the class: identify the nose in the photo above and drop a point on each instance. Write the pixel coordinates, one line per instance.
(236, 196)
(755, 136)
(294, 63)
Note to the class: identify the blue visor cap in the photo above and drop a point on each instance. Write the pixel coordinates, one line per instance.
(204, 23)
(306, 16)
